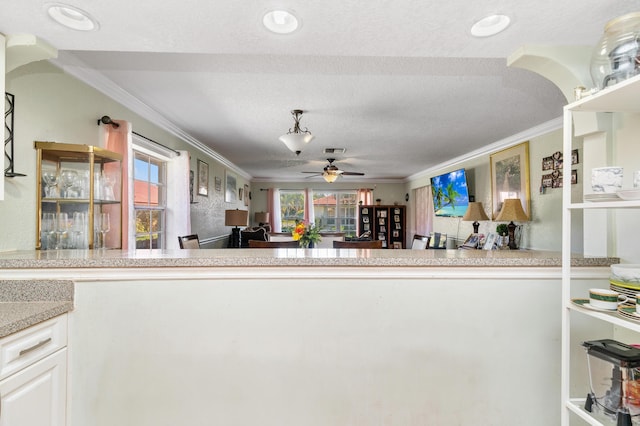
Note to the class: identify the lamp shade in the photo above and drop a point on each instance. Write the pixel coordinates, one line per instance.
(261, 217)
(330, 176)
(512, 211)
(475, 212)
(296, 141)
(236, 217)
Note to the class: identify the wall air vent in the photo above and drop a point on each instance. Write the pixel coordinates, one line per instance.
(334, 150)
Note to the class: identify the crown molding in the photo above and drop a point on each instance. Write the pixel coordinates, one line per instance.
(71, 65)
(539, 130)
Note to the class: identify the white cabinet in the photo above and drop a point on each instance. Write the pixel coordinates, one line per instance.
(623, 98)
(33, 371)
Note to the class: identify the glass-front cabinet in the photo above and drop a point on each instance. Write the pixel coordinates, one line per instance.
(79, 197)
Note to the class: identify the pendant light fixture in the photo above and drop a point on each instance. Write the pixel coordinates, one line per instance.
(296, 138)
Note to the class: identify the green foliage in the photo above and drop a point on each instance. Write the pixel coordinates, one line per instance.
(502, 229)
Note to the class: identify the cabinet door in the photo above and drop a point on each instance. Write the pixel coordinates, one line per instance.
(36, 395)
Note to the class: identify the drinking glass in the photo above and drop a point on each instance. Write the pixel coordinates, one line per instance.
(68, 178)
(50, 178)
(78, 230)
(104, 226)
(62, 230)
(47, 231)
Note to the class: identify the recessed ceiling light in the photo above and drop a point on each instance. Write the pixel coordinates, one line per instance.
(490, 25)
(280, 22)
(71, 17)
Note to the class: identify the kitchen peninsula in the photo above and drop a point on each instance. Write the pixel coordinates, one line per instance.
(313, 337)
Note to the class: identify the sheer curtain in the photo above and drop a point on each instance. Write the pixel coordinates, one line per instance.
(273, 207)
(178, 209)
(364, 196)
(309, 215)
(423, 210)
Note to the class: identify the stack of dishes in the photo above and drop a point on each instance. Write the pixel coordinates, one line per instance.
(625, 279)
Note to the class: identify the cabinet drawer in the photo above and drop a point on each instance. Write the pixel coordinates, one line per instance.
(32, 344)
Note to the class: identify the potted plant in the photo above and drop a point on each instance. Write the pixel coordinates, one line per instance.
(307, 235)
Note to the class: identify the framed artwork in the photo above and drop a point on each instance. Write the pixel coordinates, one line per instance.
(218, 184)
(575, 159)
(191, 181)
(246, 195)
(472, 241)
(230, 187)
(240, 193)
(203, 178)
(510, 177)
(490, 243)
(547, 163)
(574, 177)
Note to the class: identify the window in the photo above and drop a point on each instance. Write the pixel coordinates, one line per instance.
(149, 199)
(336, 211)
(291, 209)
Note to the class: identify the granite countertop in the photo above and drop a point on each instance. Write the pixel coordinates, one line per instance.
(24, 303)
(35, 259)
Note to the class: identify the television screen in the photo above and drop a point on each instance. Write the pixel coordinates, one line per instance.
(450, 194)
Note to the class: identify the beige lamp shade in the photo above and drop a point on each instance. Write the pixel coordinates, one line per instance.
(236, 217)
(512, 211)
(475, 212)
(261, 217)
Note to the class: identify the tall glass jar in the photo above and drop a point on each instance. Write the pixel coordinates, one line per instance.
(616, 57)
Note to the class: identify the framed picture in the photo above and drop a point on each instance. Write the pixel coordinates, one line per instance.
(218, 184)
(246, 195)
(574, 157)
(472, 241)
(490, 241)
(240, 193)
(547, 163)
(397, 244)
(510, 177)
(557, 160)
(203, 178)
(230, 187)
(574, 177)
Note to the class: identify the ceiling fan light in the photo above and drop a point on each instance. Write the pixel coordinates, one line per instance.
(330, 177)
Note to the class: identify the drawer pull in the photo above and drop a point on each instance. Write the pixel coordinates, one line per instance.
(34, 347)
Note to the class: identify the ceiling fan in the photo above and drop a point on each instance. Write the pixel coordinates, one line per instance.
(331, 173)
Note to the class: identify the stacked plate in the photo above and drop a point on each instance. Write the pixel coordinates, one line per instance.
(625, 279)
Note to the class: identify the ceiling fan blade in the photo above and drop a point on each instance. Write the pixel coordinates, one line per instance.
(352, 173)
(316, 173)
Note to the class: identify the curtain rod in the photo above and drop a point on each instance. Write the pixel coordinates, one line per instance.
(105, 119)
(157, 143)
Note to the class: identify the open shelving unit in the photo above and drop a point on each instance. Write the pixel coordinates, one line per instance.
(623, 97)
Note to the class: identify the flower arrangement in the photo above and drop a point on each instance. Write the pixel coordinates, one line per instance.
(307, 235)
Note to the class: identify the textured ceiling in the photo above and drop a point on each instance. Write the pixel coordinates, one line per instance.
(401, 85)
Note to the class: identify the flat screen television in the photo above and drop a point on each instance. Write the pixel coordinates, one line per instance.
(450, 194)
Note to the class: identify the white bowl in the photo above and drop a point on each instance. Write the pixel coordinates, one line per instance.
(626, 272)
(606, 179)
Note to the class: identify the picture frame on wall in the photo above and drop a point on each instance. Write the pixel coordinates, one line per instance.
(510, 177)
(203, 178)
(217, 184)
(230, 187)
(246, 195)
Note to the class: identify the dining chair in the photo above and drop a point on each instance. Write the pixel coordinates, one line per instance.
(273, 244)
(373, 244)
(189, 241)
(420, 242)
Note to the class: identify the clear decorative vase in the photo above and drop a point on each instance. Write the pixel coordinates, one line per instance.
(616, 57)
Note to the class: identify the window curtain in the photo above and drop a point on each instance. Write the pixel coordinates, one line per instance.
(178, 209)
(118, 139)
(423, 213)
(309, 214)
(364, 196)
(273, 207)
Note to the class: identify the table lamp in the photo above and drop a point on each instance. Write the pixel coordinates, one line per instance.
(512, 210)
(262, 218)
(475, 212)
(235, 218)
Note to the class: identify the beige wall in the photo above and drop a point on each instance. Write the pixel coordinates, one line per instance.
(543, 232)
(53, 106)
